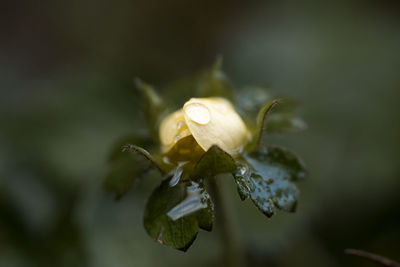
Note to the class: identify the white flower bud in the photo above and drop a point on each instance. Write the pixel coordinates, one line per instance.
(211, 121)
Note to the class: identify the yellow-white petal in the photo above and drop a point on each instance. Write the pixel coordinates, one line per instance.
(172, 129)
(214, 121)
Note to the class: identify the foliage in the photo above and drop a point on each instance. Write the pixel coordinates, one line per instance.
(181, 205)
(266, 177)
(174, 214)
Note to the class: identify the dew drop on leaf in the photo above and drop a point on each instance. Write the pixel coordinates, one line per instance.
(177, 175)
(194, 201)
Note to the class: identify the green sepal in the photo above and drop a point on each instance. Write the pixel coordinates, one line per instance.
(250, 101)
(215, 161)
(211, 82)
(214, 82)
(261, 119)
(141, 151)
(127, 166)
(174, 214)
(266, 177)
(154, 107)
(116, 150)
(273, 116)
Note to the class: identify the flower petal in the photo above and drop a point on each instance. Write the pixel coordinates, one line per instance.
(213, 121)
(172, 129)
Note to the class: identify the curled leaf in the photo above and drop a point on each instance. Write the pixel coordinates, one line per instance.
(273, 117)
(127, 166)
(260, 120)
(144, 153)
(142, 139)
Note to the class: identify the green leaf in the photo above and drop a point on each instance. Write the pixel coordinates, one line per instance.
(266, 177)
(154, 107)
(276, 116)
(215, 161)
(174, 214)
(132, 163)
(214, 82)
(273, 116)
(283, 118)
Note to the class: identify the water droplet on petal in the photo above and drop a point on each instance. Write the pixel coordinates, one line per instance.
(198, 113)
(180, 124)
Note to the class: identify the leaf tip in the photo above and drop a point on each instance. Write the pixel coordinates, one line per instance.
(268, 214)
(126, 147)
(275, 102)
(189, 244)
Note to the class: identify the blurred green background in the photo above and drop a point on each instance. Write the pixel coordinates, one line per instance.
(67, 94)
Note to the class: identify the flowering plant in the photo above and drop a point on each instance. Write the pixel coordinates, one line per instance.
(207, 138)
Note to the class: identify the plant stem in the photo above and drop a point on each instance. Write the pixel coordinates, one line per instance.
(230, 240)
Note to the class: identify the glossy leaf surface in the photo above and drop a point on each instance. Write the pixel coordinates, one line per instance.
(174, 214)
(266, 177)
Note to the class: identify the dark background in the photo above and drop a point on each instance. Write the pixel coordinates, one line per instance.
(66, 71)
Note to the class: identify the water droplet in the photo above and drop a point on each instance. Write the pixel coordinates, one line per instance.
(198, 113)
(180, 124)
(177, 175)
(194, 201)
(243, 170)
